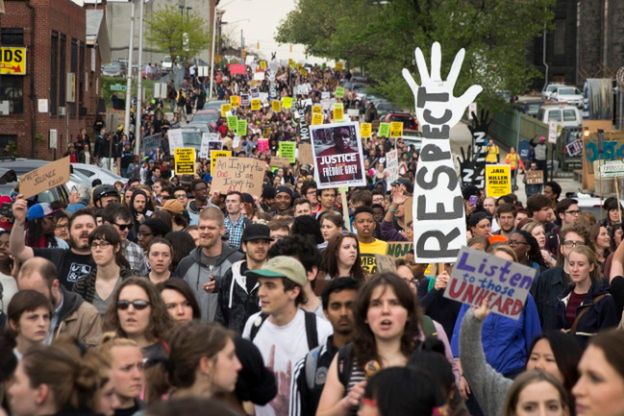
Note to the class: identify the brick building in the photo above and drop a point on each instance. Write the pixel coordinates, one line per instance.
(59, 90)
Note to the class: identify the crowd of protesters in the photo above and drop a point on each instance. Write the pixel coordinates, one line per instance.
(160, 297)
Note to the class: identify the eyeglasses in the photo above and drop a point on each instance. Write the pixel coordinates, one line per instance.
(123, 227)
(572, 243)
(574, 212)
(101, 244)
(139, 305)
(517, 243)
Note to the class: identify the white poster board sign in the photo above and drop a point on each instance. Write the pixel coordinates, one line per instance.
(392, 166)
(175, 140)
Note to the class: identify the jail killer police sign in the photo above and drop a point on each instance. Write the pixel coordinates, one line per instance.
(438, 206)
(478, 276)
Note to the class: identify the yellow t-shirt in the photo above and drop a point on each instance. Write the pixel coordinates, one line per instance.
(367, 254)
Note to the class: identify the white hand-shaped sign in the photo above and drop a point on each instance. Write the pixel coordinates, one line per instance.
(438, 206)
(435, 103)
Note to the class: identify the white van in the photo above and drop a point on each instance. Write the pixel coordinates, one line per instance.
(563, 115)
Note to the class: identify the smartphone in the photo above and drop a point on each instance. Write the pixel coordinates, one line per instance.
(472, 200)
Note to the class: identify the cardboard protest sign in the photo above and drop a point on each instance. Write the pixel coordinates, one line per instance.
(184, 160)
(385, 264)
(438, 204)
(338, 112)
(400, 249)
(280, 162)
(235, 100)
(305, 154)
(46, 177)
(256, 104)
(287, 103)
(384, 130)
(238, 174)
(338, 159)
(210, 141)
(317, 108)
(232, 123)
(276, 106)
(175, 139)
(263, 145)
(241, 128)
(534, 177)
(497, 180)
(340, 92)
(392, 165)
(478, 276)
(366, 130)
(287, 150)
(396, 129)
(216, 154)
(317, 118)
(225, 109)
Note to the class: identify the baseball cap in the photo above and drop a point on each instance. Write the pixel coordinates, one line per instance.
(40, 210)
(282, 266)
(254, 232)
(405, 182)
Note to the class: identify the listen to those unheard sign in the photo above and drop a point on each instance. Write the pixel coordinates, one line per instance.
(478, 276)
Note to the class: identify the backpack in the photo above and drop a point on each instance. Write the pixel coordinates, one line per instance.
(310, 327)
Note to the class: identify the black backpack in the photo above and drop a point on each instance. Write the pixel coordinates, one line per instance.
(310, 326)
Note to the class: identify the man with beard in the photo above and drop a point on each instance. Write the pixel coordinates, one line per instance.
(73, 264)
(72, 316)
(283, 201)
(238, 293)
(506, 218)
(310, 373)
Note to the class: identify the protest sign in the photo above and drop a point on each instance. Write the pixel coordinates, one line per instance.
(478, 276)
(392, 165)
(241, 128)
(263, 64)
(232, 123)
(46, 177)
(288, 150)
(338, 112)
(610, 169)
(366, 130)
(263, 145)
(574, 148)
(151, 143)
(399, 249)
(552, 132)
(256, 104)
(339, 66)
(280, 162)
(235, 100)
(225, 109)
(384, 130)
(305, 154)
(304, 129)
(258, 76)
(276, 106)
(338, 159)
(238, 174)
(340, 92)
(317, 108)
(325, 95)
(287, 103)
(317, 118)
(472, 163)
(184, 160)
(175, 139)
(438, 205)
(216, 154)
(244, 100)
(353, 113)
(210, 141)
(534, 177)
(497, 180)
(396, 129)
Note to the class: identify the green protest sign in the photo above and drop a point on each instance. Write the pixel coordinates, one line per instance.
(340, 92)
(232, 122)
(241, 129)
(384, 130)
(287, 150)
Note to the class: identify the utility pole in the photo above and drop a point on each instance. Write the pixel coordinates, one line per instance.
(212, 53)
(129, 72)
(137, 130)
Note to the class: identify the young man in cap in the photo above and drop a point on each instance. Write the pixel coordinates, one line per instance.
(282, 331)
(283, 201)
(238, 292)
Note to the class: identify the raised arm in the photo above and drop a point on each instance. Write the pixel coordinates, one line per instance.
(17, 246)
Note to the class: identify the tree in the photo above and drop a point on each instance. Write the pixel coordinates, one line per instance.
(380, 37)
(177, 34)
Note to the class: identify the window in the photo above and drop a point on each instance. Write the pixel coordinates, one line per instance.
(569, 115)
(559, 37)
(12, 89)
(12, 36)
(554, 115)
(54, 78)
(8, 144)
(63, 71)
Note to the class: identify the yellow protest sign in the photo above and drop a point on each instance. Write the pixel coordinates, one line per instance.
(338, 112)
(287, 102)
(339, 66)
(235, 100)
(276, 106)
(317, 108)
(317, 118)
(184, 160)
(366, 130)
(214, 155)
(256, 104)
(225, 108)
(292, 63)
(497, 180)
(396, 129)
(263, 64)
(12, 61)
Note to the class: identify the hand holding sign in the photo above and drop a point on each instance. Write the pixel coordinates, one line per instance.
(435, 103)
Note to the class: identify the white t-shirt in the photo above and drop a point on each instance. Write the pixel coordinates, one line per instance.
(281, 348)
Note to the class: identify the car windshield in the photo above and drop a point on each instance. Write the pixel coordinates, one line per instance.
(205, 117)
(567, 91)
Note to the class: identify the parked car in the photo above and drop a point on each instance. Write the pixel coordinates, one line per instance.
(408, 120)
(113, 69)
(569, 95)
(529, 106)
(166, 63)
(550, 88)
(206, 117)
(563, 115)
(93, 172)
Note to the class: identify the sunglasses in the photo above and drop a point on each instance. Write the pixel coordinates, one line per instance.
(139, 305)
(123, 227)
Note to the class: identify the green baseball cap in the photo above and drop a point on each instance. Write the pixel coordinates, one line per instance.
(282, 266)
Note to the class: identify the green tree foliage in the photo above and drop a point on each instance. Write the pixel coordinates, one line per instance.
(380, 37)
(166, 31)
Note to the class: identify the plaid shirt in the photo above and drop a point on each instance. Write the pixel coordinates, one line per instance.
(235, 231)
(135, 256)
